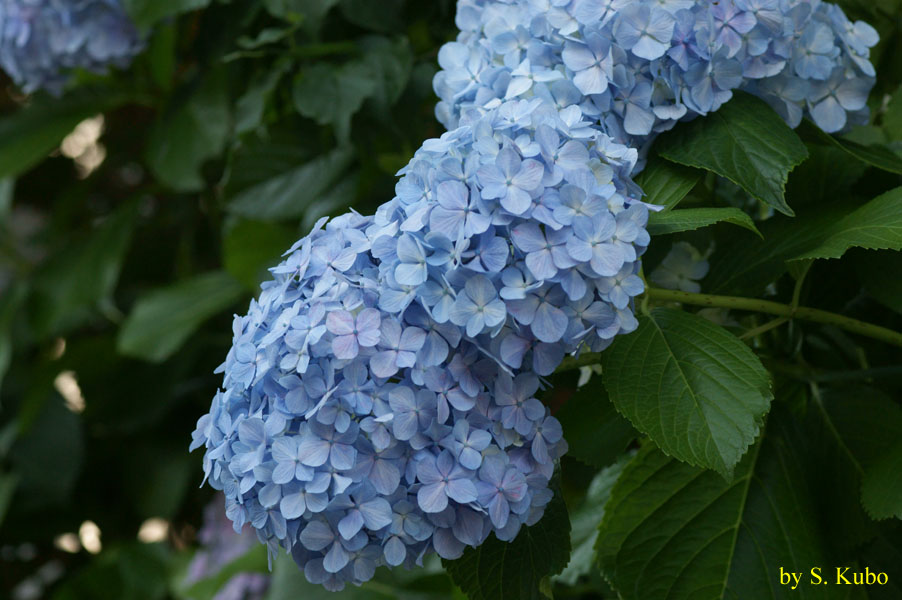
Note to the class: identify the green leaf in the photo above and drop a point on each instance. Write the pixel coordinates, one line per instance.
(499, 570)
(821, 188)
(161, 55)
(155, 478)
(83, 274)
(828, 174)
(666, 183)
(8, 484)
(270, 35)
(853, 414)
(162, 320)
(288, 195)
(251, 247)
(250, 106)
(48, 454)
(891, 119)
(384, 16)
(10, 305)
(876, 226)
(335, 200)
(746, 142)
(252, 561)
(6, 352)
(390, 63)
(263, 155)
(147, 12)
(29, 134)
(850, 430)
(881, 487)
(586, 519)
(874, 155)
(672, 531)
(884, 554)
(331, 96)
(189, 134)
(688, 219)
(873, 269)
(296, 10)
(595, 432)
(7, 185)
(691, 386)
(130, 571)
(746, 266)
(798, 269)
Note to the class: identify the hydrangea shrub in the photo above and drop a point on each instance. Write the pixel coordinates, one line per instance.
(378, 401)
(621, 331)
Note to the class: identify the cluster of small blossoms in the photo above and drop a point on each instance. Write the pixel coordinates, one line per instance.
(636, 67)
(42, 40)
(379, 398)
(220, 545)
(682, 269)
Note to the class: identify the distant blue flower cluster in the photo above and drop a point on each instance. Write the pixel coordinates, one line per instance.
(220, 545)
(681, 269)
(42, 40)
(636, 67)
(379, 398)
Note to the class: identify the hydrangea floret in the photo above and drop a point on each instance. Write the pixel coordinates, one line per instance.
(42, 41)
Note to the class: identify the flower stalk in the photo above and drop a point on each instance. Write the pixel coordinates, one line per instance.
(784, 312)
(781, 310)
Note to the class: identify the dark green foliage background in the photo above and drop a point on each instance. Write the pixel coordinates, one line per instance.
(245, 121)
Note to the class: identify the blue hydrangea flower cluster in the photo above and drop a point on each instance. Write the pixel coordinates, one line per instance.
(379, 397)
(637, 67)
(379, 402)
(42, 40)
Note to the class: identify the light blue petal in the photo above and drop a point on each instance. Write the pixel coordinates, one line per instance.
(350, 524)
(336, 559)
(293, 505)
(431, 498)
(316, 536)
(376, 514)
(394, 551)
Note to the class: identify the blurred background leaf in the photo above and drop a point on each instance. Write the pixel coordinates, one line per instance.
(162, 320)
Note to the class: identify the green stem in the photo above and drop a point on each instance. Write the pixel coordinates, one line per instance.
(812, 375)
(785, 311)
(781, 310)
(644, 306)
(763, 328)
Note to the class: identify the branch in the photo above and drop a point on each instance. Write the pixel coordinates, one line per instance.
(786, 311)
(781, 310)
